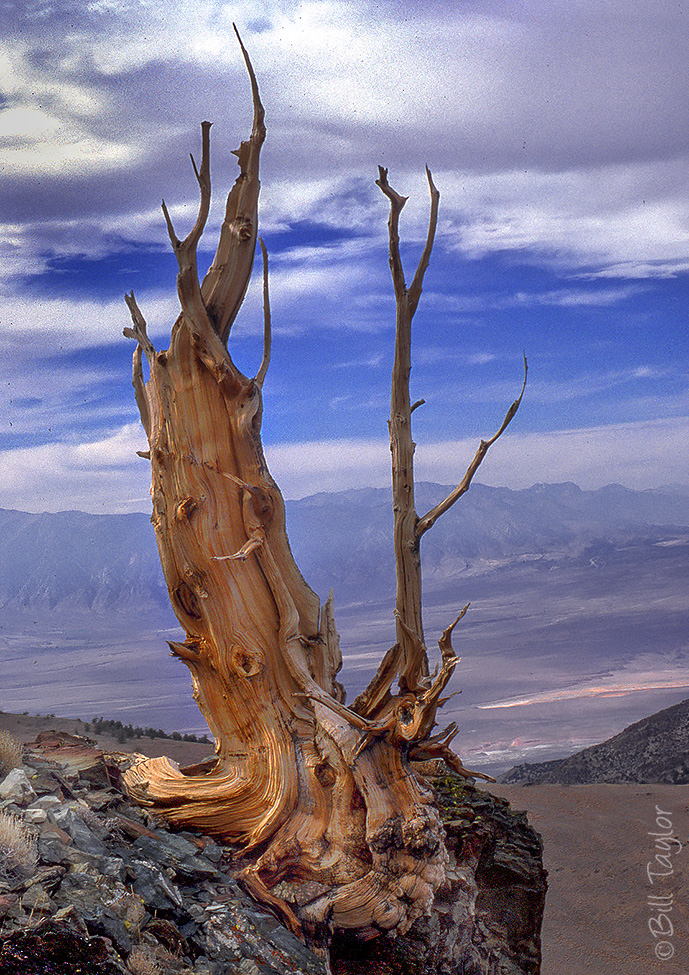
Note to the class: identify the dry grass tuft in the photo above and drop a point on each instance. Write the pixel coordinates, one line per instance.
(11, 753)
(18, 855)
(142, 961)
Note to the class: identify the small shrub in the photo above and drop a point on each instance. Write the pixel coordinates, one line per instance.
(18, 856)
(142, 961)
(11, 753)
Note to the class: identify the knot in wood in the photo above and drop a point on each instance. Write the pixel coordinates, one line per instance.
(246, 663)
(263, 505)
(186, 600)
(325, 774)
(243, 228)
(185, 509)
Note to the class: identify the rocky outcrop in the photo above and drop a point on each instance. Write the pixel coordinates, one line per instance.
(655, 749)
(111, 890)
(488, 920)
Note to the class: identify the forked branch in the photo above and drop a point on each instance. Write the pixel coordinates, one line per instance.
(203, 177)
(430, 519)
(396, 204)
(225, 284)
(413, 658)
(409, 655)
(415, 287)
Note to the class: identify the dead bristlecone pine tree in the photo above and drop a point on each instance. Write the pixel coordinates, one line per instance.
(316, 794)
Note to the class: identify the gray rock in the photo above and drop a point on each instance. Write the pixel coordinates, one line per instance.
(35, 816)
(17, 788)
(110, 926)
(46, 802)
(156, 890)
(84, 838)
(36, 899)
(180, 855)
(166, 894)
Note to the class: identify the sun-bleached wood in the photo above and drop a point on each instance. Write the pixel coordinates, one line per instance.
(320, 792)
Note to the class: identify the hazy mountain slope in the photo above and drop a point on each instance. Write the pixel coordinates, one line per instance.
(576, 596)
(72, 558)
(345, 539)
(655, 749)
(342, 540)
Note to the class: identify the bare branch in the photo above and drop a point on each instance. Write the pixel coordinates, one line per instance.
(257, 539)
(424, 753)
(139, 332)
(174, 239)
(414, 664)
(328, 663)
(396, 204)
(140, 392)
(203, 178)
(416, 285)
(416, 405)
(432, 516)
(320, 697)
(259, 113)
(377, 693)
(144, 345)
(225, 284)
(185, 250)
(261, 374)
(196, 172)
(445, 641)
(407, 560)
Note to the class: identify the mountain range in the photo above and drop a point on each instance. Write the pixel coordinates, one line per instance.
(341, 540)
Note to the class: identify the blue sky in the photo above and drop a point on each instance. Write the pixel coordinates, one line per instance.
(556, 132)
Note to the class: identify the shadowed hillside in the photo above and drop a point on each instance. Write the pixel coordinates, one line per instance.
(655, 749)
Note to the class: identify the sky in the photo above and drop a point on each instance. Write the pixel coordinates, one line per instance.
(557, 134)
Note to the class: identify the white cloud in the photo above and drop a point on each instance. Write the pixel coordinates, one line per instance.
(106, 474)
(101, 476)
(39, 327)
(555, 128)
(639, 455)
(625, 221)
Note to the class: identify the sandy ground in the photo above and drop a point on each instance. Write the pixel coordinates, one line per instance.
(618, 897)
(600, 852)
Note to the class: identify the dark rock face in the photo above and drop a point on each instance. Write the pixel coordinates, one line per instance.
(113, 891)
(655, 749)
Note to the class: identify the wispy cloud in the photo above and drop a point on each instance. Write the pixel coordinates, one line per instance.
(536, 143)
(106, 474)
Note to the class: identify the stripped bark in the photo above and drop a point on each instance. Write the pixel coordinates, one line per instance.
(318, 791)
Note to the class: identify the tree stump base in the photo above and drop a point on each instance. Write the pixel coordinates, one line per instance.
(488, 918)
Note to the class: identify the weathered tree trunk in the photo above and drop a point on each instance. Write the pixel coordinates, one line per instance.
(320, 792)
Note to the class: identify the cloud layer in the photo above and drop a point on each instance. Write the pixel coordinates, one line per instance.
(556, 133)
